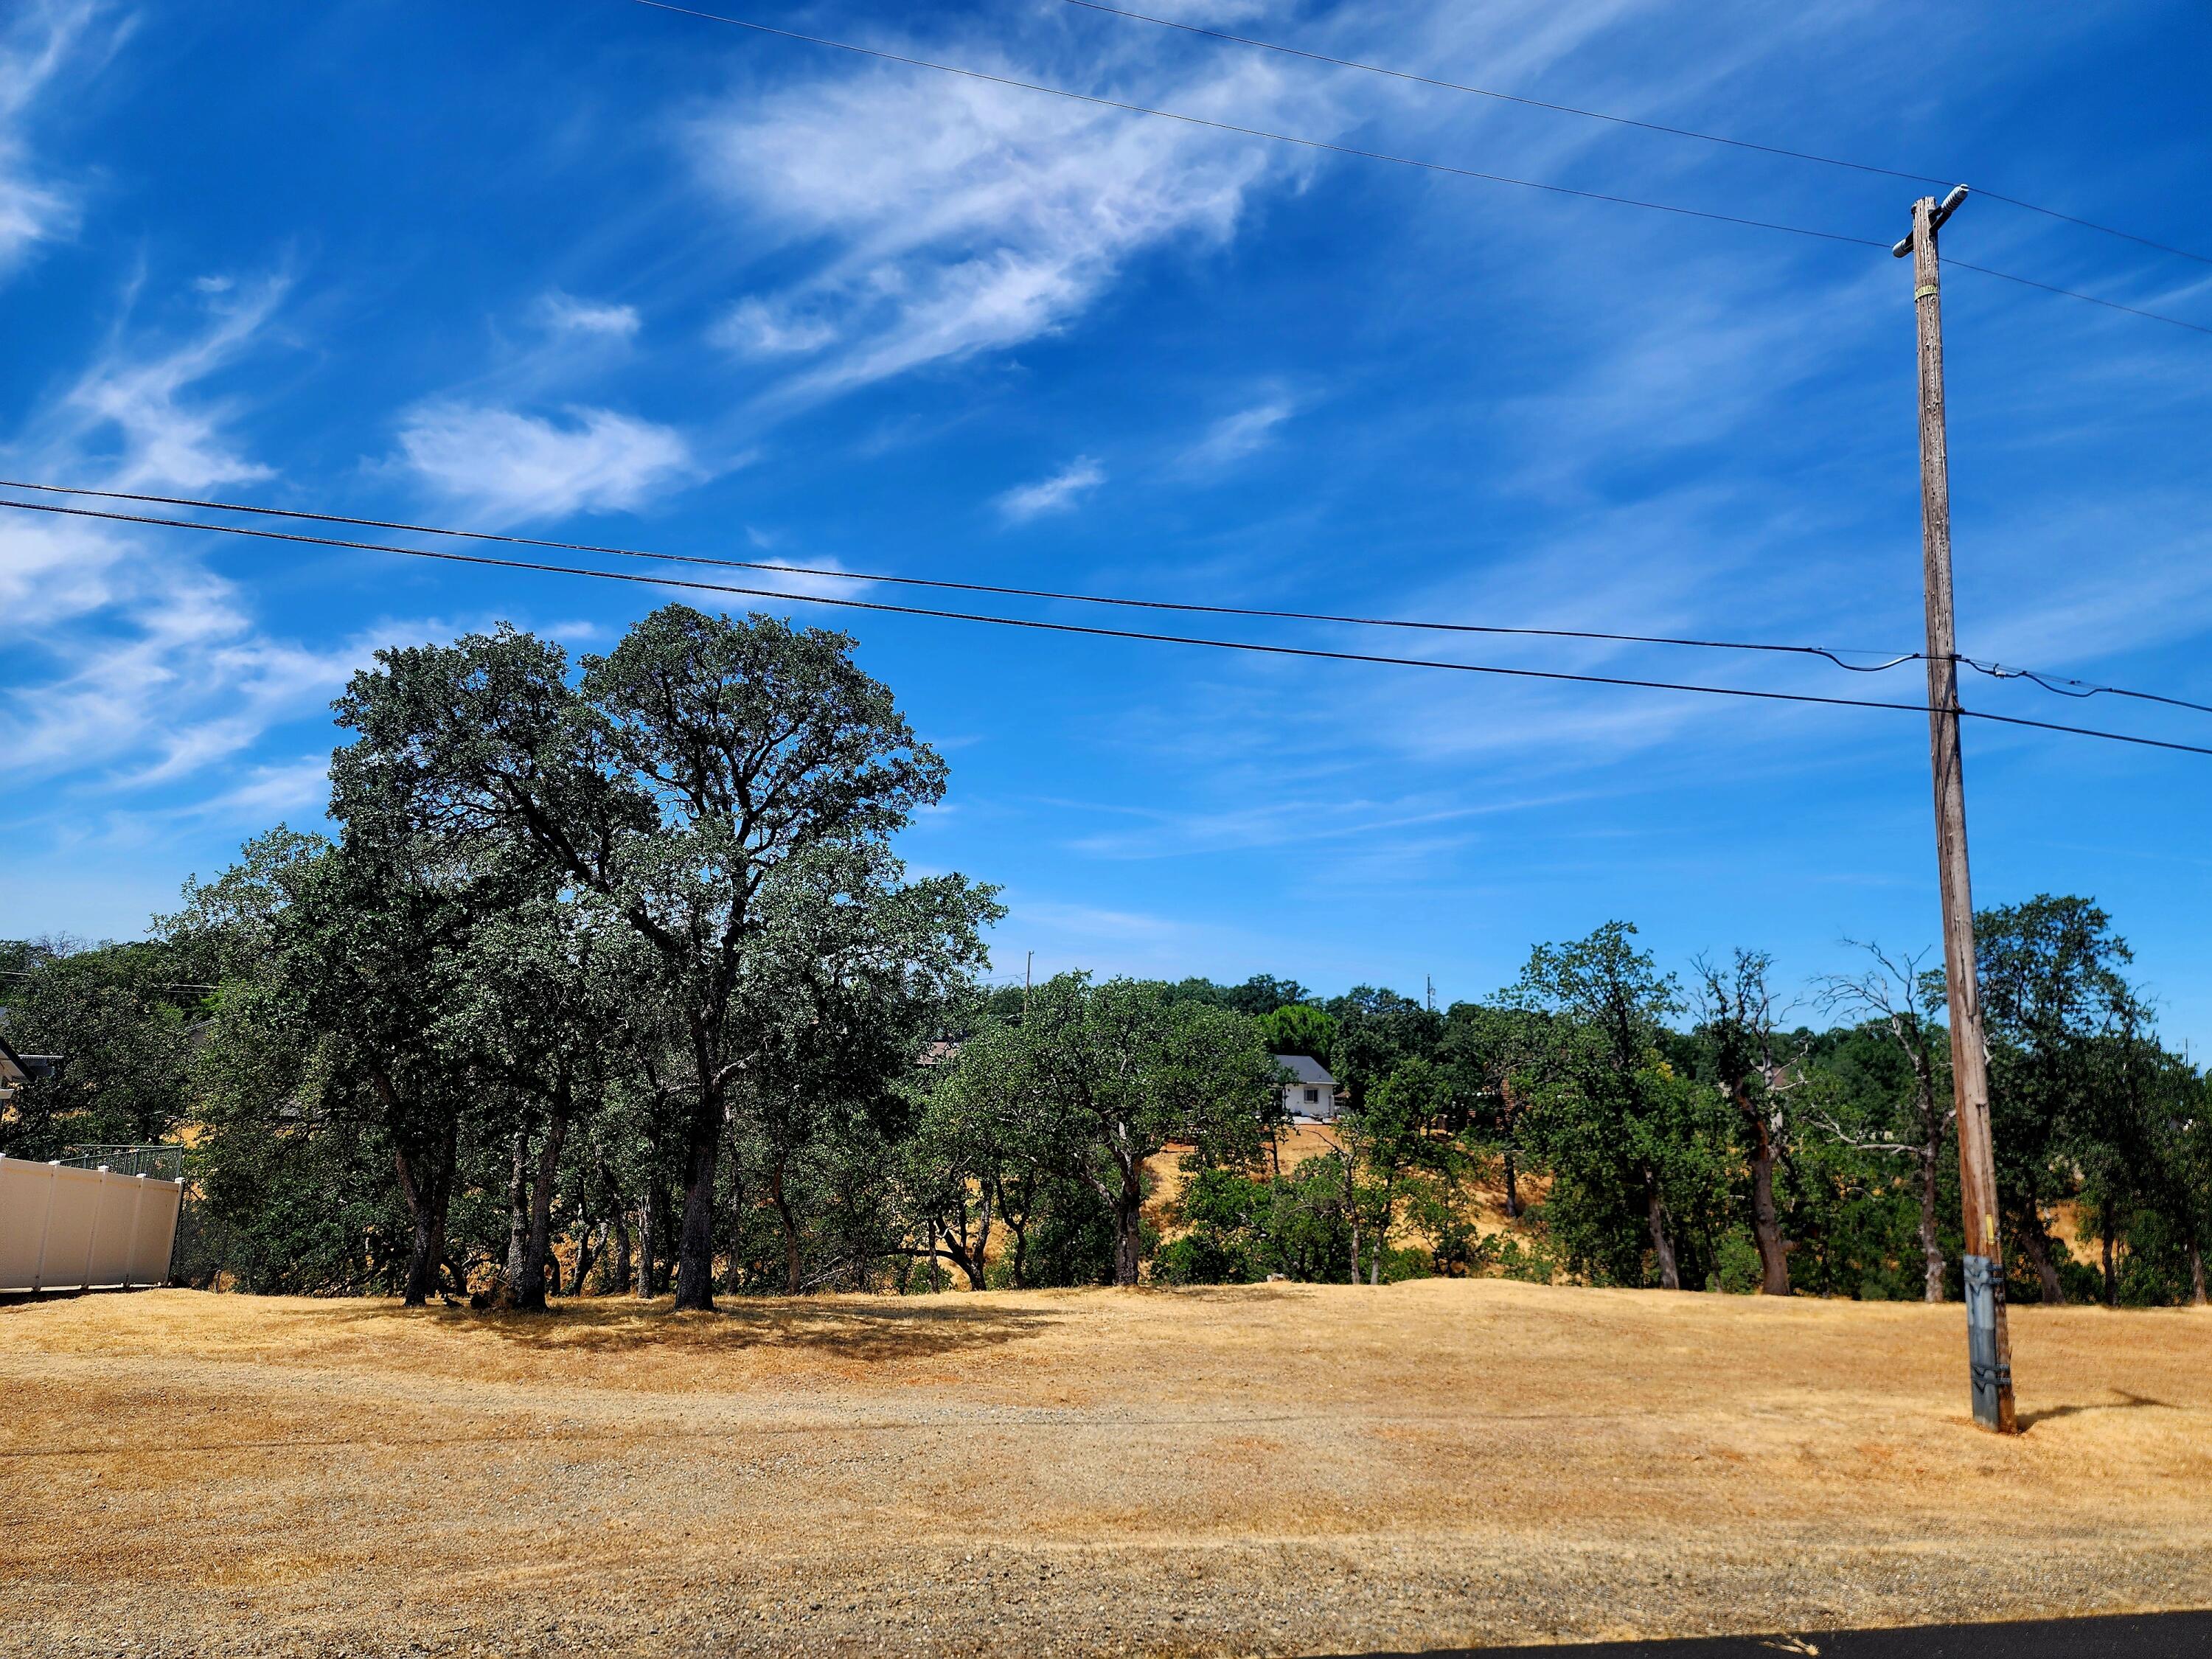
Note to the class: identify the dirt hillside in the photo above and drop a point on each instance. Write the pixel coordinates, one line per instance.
(1276, 1469)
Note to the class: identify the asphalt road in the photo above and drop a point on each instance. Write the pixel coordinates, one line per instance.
(2143, 1636)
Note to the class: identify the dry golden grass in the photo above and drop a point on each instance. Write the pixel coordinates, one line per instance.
(1280, 1469)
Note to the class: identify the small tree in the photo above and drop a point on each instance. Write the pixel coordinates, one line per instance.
(1896, 997)
(1632, 1146)
(1103, 1077)
(1736, 1030)
(1383, 1140)
(2052, 988)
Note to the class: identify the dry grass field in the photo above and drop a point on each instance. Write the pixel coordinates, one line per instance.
(1273, 1469)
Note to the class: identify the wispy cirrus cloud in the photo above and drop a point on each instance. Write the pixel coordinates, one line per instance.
(564, 313)
(41, 42)
(1236, 436)
(956, 216)
(504, 466)
(754, 328)
(143, 408)
(1060, 493)
(147, 667)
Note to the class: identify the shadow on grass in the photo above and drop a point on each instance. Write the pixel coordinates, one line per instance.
(932, 1327)
(2126, 1402)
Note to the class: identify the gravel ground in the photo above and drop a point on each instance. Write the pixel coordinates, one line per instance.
(1279, 1469)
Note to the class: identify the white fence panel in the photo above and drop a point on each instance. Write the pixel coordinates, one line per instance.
(26, 1196)
(64, 1229)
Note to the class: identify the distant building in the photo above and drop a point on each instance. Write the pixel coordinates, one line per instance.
(19, 1071)
(1311, 1094)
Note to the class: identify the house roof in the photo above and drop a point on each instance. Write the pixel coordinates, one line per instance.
(1305, 1068)
(15, 1069)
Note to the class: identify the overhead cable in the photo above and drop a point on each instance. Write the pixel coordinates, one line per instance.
(1251, 646)
(2082, 689)
(1625, 121)
(2060, 685)
(831, 573)
(1444, 167)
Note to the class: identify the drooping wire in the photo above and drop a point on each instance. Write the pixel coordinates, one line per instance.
(830, 573)
(1323, 145)
(2079, 689)
(1625, 121)
(2049, 682)
(1251, 646)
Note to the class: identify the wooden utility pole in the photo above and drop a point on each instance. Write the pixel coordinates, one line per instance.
(1989, 1349)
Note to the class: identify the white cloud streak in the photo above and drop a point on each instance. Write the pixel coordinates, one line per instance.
(1058, 494)
(1235, 437)
(142, 667)
(958, 217)
(40, 44)
(506, 467)
(564, 313)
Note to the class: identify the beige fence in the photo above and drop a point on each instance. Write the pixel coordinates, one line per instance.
(64, 1229)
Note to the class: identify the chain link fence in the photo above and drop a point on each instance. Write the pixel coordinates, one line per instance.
(154, 1162)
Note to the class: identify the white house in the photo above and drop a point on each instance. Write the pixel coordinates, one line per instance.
(18, 1071)
(1312, 1093)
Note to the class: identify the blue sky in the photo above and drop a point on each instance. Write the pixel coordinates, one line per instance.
(587, 270)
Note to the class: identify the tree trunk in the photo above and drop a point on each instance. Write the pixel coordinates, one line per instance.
(426, 1252)
(1512, 1186)
(2036, 1243)
(1129, 1219)
(2107, 1222)
(694, 1244)
(593, 1240)
(2196, 1273)
(792, 1277)
(518, 1214)
(1765, 1222)
(1663, 1247)
(426, 1183)
(618, 1267)
(1021, 1233)
(531, 1286)
(1931, 1241)
(972, 1260)
(649, 1237)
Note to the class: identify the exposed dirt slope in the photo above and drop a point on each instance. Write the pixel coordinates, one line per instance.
(1271, 1469)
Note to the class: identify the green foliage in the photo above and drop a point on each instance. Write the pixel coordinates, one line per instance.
(1639, 1155)
(1300, 1028)
(125, 1032)
(621, 956)
(1086, 1085)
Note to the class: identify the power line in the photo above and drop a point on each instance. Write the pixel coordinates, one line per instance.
(1249, 646)
(1383, 155)
(2082, 689)
(2076, 293)
(1625, 121)
(825, 571)
(2059, 684)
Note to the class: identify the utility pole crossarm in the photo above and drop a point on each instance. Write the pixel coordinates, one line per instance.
(1988, 1346)
(1948, 206)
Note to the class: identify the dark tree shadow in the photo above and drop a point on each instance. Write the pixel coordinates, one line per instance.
(2126, 1402)
(932, 1327)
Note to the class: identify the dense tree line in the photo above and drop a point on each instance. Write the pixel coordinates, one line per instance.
(608, 979)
